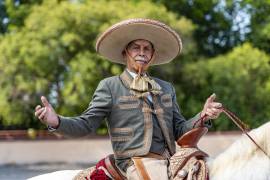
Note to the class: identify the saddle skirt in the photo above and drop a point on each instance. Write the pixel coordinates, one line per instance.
(189, 164)
(105, 169)
(84, 174)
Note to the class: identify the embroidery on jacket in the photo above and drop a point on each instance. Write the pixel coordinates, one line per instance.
(147, 136)
(166, 100)
(128, 102)
(121, 134)
(160, 117)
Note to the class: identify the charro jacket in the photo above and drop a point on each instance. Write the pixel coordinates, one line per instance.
(128, 117)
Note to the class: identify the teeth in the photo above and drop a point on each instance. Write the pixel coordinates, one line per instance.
(141, 61)
(140, 58)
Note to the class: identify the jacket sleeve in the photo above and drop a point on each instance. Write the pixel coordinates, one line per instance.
(98, 109)
(181, 125)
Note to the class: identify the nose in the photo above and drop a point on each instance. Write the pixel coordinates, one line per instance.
(142, 53)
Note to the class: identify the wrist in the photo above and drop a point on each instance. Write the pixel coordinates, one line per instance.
(57, 123)
(203, 116)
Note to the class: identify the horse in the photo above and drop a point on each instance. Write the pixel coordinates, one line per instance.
(241, 160)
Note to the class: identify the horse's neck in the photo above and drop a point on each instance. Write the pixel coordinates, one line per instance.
(243, 153)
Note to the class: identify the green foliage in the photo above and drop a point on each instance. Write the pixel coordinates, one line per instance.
(241, 81)
(260, 24)
(3, 15)
(49, 49)
(17, 11)
(221, 25)
(52, 53)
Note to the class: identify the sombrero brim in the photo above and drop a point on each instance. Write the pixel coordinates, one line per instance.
(166, 41)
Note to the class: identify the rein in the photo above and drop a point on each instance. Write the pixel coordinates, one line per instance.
(240, 124)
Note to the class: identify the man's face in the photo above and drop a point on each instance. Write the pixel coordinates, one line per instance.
(138, 55)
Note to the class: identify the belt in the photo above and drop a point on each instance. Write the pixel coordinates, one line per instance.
(154, 155)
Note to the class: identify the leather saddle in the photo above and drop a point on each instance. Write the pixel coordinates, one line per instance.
(186, 164)
(112, 169)
(98, 172)
(189, 162)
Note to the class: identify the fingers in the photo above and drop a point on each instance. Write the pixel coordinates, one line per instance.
(210, 102)
(215, 105)
(212, 113)
(211, 98)
(212, 109)
(39, 111)
(38, 107)
(44, 101)
(42, 115)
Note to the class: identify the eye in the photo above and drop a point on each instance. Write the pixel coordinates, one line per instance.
(148, 49)
(134, 47)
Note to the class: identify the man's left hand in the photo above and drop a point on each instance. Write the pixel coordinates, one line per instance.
(211, 109)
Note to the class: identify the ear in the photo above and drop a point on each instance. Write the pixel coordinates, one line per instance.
(124, 53)
(153, 57)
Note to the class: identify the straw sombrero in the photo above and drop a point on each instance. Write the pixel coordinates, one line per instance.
(166, 41)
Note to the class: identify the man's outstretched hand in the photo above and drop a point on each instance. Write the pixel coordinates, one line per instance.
(211, 108)
(46, 114)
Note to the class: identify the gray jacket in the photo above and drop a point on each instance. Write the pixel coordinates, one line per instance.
(129, 118)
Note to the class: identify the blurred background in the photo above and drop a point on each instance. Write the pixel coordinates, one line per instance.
(47, 47)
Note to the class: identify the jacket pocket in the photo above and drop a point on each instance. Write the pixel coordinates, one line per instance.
(128, 102)
(166, 100)
(121, 134)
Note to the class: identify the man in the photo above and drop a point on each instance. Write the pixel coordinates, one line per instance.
(142, 113)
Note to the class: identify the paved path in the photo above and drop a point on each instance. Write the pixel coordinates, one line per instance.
(23, 159)
(54, 151)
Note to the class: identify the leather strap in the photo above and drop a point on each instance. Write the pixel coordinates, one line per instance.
(112, 169)
(240, 124)
(140, 168)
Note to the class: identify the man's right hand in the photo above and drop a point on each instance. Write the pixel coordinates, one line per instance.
(46, 114)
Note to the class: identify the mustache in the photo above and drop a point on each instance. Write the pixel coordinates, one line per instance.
(141, 58)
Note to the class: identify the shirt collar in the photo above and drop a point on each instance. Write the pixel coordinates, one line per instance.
(132, 73)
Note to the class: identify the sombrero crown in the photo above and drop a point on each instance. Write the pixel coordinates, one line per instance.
(166, 41)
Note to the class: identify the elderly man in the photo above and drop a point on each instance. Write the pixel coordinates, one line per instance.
(141, 111)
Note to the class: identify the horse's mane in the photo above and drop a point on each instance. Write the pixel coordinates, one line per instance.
(241, 155)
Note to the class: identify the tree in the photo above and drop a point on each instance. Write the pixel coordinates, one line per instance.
(241, 80)
(3, 16)
(220, 25)
(53, 54)
(260, 24)
(14, 12)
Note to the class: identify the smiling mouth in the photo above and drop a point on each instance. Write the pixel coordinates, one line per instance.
(141, 61)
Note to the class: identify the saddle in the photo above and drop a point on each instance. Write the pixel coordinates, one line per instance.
(186, 164)
(105, 169)
(189, 162)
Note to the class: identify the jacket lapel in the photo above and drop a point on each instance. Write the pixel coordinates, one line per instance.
(126, 78)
